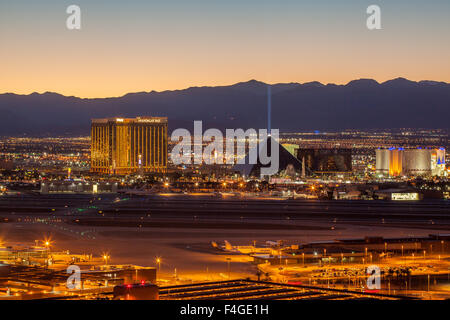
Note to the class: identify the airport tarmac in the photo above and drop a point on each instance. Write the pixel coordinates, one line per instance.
(137, 230)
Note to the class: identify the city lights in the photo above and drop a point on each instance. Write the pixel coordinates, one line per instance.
(220, 156)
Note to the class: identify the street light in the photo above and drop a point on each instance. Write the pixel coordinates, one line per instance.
(158, 261)
(47, 244)
(106, 258)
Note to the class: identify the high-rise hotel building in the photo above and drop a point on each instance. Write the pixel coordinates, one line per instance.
(123, 146)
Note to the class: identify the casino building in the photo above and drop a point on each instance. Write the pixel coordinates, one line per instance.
(123, 146)
(410, 162)
(326, 161)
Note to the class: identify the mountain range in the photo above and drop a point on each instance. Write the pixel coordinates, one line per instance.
(359, 104)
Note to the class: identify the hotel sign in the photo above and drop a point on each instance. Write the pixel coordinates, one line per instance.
(405, 196)
(152, 120)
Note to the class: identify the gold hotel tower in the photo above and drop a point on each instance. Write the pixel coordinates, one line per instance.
(123, 146)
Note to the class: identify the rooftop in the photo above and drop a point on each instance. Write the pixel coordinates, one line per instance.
(132, 120)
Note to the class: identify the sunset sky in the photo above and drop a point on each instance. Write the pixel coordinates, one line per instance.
(130, 46)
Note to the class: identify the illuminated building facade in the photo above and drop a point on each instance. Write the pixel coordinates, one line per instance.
(124, 146)
(395, 162)
(326, 161)
(438, 162)
(410, 162)
(417, 162)
(292, 148)
(382, 161)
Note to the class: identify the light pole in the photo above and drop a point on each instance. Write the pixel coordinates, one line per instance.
(106, 258)
(158, 261)
(47, 245)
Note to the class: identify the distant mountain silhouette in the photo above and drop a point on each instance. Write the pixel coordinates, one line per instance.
(362, 103)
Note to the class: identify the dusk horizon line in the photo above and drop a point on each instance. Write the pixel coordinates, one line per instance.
(229, 85)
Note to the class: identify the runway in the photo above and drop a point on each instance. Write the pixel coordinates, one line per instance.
(180, 228)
